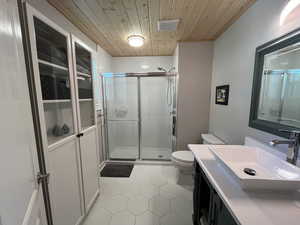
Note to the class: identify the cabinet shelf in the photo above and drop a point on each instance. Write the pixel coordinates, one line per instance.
(52, 139)
(53, 65)
(85, 99)
(56, 101)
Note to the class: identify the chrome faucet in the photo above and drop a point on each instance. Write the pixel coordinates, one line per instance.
(293, 145)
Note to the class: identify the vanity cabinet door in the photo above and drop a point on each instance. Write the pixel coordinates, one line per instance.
(225, 217)
(212, 210)
(202, 197)
(196, 195)
(209, 208)
(219, 214)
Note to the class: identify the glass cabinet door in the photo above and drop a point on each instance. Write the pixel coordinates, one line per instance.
(83, 68)
(52, 56)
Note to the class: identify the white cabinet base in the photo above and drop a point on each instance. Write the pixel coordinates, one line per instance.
(65, 184)
(88, 147)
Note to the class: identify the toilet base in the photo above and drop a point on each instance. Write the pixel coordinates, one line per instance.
(184, 177)
(183, 168)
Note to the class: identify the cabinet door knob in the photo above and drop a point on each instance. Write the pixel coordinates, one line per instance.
(79, 135)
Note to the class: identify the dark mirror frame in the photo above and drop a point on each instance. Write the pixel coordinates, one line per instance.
(274, 45)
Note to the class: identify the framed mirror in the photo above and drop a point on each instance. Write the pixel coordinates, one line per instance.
(275, 102)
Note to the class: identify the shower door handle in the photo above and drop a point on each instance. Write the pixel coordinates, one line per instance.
(174, 126)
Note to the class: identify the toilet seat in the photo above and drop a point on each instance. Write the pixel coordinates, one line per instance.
(183, 156)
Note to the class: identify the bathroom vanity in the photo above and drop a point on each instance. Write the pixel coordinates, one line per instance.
(219, 198)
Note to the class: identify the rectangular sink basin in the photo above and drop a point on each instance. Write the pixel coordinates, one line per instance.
(271, 172)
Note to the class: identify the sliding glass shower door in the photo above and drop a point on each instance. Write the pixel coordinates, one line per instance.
(121, 95)
(156, 104)
(140, 115)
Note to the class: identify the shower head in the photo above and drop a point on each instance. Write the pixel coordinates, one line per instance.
(161, 69)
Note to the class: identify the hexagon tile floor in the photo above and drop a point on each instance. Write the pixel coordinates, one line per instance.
(152, 195)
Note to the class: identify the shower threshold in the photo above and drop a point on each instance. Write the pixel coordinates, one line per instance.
(147, 153)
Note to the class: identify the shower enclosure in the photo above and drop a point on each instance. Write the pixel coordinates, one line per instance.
(140, 115)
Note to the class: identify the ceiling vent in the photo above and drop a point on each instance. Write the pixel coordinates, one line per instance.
(167, 25)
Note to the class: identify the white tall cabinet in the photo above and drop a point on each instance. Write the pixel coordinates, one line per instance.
(63, 76)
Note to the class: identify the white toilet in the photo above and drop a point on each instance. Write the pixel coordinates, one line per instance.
(184, 160)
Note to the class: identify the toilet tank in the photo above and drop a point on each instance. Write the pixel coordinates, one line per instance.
(210, 139)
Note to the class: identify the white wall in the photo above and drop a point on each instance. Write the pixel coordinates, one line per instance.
(195, 68)
(233, 64)
(175, 58)
(141, 64)
(104, 61)
(18, 146)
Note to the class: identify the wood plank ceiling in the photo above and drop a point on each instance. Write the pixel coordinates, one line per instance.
(110, 22)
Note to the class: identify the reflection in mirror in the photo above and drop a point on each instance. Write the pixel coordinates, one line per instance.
(276, 85)
(280, 88)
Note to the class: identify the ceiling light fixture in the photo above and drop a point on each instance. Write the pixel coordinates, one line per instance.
(290, 6)
(136, 40)
(145, 66)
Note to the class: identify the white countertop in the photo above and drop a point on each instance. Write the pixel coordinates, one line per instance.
(248, 208)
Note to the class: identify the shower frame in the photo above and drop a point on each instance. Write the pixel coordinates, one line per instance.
(139, 76)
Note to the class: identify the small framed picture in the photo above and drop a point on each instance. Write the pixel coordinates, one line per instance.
(222, 94)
